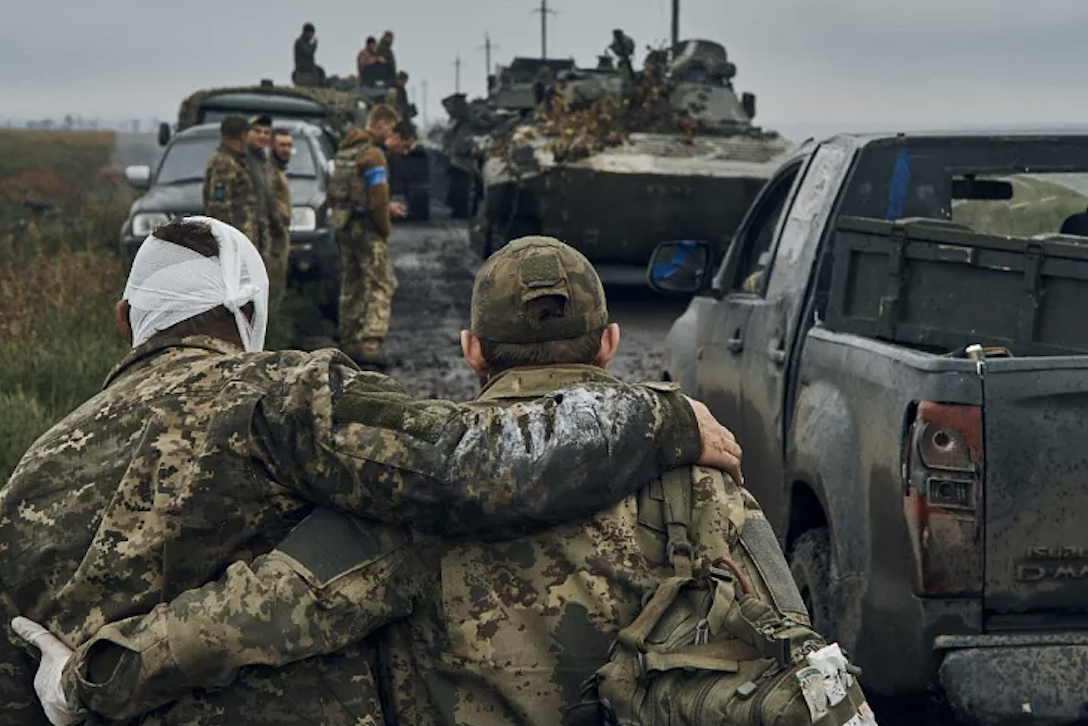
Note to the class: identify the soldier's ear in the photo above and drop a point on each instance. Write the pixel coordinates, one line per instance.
(610, 342)
(473, 352)
(120, 319)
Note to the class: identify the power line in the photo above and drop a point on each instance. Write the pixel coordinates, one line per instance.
(544, 11)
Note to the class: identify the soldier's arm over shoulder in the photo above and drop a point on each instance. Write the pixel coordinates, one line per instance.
(375, 170)
(333, 581)
(454, 469)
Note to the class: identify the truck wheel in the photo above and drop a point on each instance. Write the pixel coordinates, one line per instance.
(810, 564)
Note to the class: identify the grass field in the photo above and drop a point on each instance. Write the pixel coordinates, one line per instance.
(59, 278)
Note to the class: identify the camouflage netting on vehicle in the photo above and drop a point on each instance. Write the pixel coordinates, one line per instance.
(575, 133)
(340, 105)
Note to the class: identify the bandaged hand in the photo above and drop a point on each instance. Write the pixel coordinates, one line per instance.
(55, 655)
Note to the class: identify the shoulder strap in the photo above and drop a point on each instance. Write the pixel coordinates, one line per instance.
(676, 485)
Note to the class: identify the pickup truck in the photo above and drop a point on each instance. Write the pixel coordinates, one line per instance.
(895, 334)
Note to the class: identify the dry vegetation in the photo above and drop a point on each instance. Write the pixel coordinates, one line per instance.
(59, 278)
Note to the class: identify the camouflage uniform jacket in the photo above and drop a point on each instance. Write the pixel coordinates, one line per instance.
(281, 196)
(229, 192)
(196, 455)
(505, 634)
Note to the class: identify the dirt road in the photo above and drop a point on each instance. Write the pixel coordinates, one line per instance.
(435, 268)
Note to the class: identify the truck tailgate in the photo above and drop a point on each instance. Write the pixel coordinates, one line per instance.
(1036, 491)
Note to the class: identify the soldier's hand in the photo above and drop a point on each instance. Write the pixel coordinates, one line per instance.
(398, 210)
(47, 681)
(720, 447)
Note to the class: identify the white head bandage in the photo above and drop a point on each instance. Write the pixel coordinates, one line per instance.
(170, 283)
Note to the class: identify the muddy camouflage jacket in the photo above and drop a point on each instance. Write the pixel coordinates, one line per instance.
(281, 195)
(230, 194)
(487, 634)
(196, 455)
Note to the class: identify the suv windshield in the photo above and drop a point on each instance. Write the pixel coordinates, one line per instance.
(185, 160)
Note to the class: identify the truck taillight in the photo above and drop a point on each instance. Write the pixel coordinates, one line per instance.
(943, 468)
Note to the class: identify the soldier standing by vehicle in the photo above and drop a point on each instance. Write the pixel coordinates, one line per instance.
(258, 140)
(279, 229)
(229, 193)
(360, 211)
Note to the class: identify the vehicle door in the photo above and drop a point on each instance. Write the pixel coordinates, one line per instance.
(739, 283)
(768, 333)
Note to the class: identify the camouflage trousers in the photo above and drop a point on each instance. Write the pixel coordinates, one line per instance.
(275, 255)
(367, 286)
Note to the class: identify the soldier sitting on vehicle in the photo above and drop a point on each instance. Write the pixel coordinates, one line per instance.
(307, 72)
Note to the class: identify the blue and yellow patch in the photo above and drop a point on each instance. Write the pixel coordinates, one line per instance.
(375, 176)
(220, 194)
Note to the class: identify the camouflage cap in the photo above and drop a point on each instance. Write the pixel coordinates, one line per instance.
(529, 268)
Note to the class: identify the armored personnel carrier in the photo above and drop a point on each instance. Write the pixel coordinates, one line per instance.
(616, 161)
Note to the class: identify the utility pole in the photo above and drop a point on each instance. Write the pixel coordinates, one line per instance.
(486, 47)
(675, 24)
(457, 67)
(544, 11)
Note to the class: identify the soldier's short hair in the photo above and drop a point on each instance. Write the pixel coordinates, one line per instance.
(371, 39)
(233, 127)
(402, 76)
(538, 301)
(218, 322)
(280, 131)
(405, 129)
(308, 28)
(382, 112)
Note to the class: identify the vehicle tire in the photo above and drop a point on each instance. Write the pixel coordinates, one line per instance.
(810, 564)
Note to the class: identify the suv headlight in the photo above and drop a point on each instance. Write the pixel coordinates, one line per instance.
(147, 222)
(303, 219)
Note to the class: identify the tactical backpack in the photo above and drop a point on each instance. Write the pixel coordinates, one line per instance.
(347, 193)
(706, 650)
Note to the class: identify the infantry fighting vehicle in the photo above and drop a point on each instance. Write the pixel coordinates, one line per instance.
(623, 160)
(333, 109)
(513, 93)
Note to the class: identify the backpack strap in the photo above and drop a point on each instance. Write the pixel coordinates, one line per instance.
(676, 486)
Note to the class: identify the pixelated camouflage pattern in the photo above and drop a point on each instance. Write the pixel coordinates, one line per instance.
(367, 278)
(342, 108)
(196, 455)
(512, 629)
(230, 194)
(367, 285)
(279, 249)
(529, 268)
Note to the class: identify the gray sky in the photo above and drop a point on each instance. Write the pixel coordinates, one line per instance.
(814, 64)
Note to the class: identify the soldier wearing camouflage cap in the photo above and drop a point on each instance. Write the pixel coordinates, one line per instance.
(483, 633)
(197, 454)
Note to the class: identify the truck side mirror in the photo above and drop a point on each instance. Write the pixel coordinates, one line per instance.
(679, 267)
(164, 134)
(748, 101)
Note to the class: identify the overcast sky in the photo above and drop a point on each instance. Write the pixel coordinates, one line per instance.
(814, 64)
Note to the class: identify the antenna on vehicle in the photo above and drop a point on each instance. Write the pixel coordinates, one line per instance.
(457, 71)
